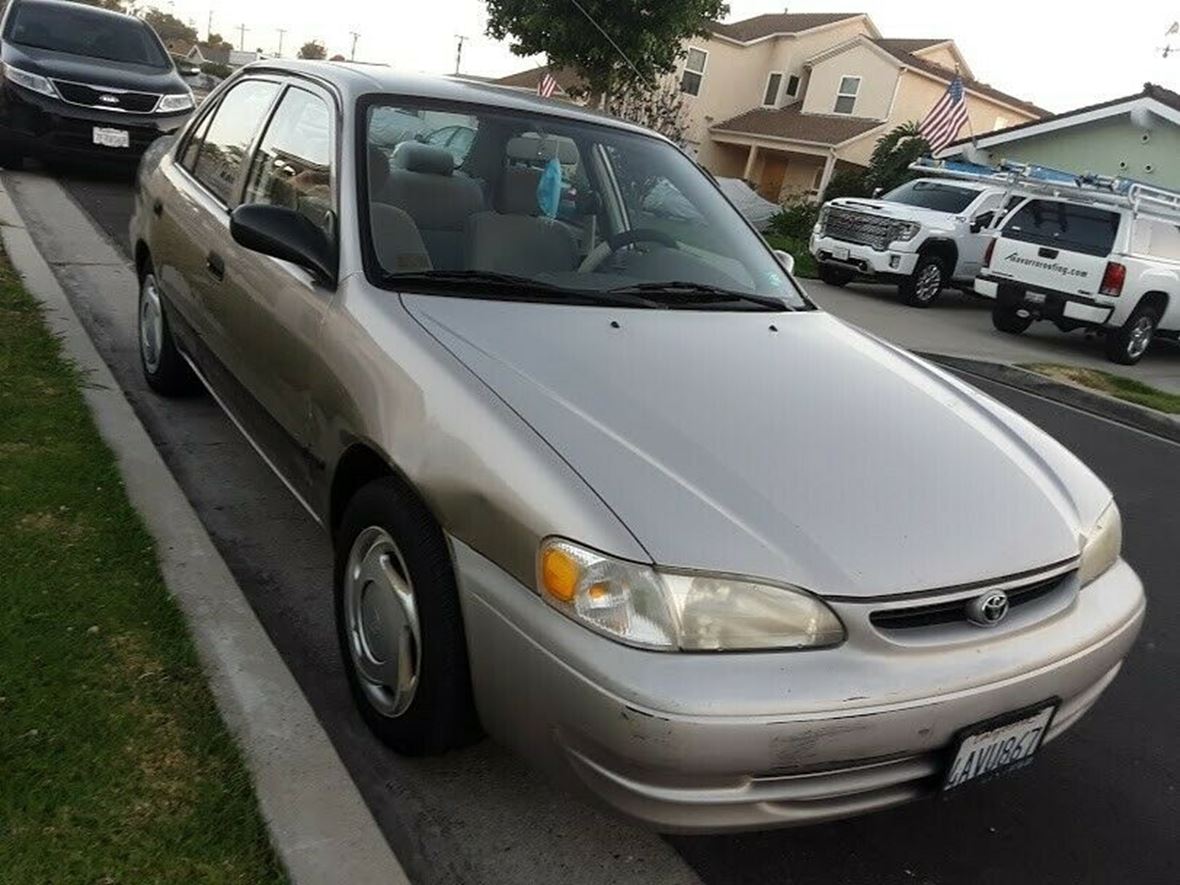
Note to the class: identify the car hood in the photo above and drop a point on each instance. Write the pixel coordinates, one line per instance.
(900, 211)
(787, 446)
(93, 71)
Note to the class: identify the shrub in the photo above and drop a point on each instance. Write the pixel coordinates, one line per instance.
(214, 69)
(795, 221)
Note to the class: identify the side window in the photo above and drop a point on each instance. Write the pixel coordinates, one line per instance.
(222, 152)
(189, 158)
(846, 97)
(1159, 239)
(293, 164)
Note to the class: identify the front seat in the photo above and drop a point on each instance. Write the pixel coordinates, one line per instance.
(422, 182)
(514, 239)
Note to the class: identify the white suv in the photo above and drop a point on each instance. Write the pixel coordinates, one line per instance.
(1086, 265)
(925, 234)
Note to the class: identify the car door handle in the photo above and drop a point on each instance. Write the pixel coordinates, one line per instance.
(158, 208)
(215, 264)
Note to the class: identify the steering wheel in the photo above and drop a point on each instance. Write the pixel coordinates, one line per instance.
(608, 247)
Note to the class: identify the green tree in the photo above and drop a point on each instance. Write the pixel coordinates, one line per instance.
(169, 27)
(649, 33)
(313, 49)
(892, 156)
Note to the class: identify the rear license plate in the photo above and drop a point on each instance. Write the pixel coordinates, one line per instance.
(999, 745)
(840, 253)
(116, 138)
(1034, 297)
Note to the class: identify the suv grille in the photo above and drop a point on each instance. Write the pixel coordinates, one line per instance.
(859, 227)
(109, 100)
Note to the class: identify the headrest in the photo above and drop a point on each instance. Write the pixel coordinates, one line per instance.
(534, 149)
(378, 170)
(413, 156)
(518, 191)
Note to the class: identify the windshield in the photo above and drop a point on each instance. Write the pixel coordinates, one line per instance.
(933, 195)
(485, 202)
(80, 31)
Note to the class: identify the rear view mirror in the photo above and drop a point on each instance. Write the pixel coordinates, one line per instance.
(981, 221)
(786, 259)
(286, 234)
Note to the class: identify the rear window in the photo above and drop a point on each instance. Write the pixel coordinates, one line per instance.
(1067, 226)
(78, 30)
(933, 195)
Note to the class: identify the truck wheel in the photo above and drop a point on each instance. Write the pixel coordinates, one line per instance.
(1128, 344)
(164, 368)
(835, 276)
(1007, 319)
(924, 285)
(399, 624)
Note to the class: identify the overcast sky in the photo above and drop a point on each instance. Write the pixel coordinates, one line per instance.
(1057, 54)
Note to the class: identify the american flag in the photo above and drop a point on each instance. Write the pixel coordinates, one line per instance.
(946, 118)
(547, 86)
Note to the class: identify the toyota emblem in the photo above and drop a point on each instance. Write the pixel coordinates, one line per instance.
(989, 609)
(108, 99)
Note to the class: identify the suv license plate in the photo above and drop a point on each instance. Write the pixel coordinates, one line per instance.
(1034, 297)
(840, 253)
(999, 745)
(116, 138)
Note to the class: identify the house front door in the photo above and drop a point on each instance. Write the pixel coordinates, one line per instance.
(774, 170)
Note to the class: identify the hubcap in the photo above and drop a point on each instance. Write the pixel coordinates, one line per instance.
(929, 282)
(381, 617)
(151, 324)
(1140, 339)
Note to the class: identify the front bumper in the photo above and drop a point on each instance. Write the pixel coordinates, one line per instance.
(38, 125)
(1049, 304)
(707, 743)
(862, 259)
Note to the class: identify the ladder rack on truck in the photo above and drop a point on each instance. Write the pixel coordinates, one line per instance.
(1043, 181)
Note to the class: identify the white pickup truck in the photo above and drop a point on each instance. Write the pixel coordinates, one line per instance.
(1109, 264)
(925, 235)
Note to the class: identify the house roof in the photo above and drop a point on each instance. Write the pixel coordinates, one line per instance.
(790, 123)
(910, 44)
(1150, 93)
(567, 80)
(778, 23)
(897, 49)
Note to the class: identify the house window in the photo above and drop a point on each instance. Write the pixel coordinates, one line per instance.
(792, 86)
(694, 71)
(818, 179)
(773, 84)
(846, 97)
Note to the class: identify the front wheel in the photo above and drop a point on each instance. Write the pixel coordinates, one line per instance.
(835, 276)
(399, 624)
(925, 284)
(1128, 344)
(1009, 320)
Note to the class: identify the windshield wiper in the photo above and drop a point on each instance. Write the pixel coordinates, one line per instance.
(489, 284)
(679, 292)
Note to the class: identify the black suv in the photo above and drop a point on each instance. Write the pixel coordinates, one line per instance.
(82, 81)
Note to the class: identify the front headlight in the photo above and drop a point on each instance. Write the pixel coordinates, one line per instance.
(905, 230)
(1101, 545)
(668, 611)
(822, 222)
(35, 82)
(171, 104)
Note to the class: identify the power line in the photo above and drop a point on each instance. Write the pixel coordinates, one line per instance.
(590, 19)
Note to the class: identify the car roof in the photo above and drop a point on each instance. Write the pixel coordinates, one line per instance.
(72, 5)
(353, 80)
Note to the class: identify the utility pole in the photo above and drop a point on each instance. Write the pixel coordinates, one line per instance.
(355, 37)
(209, 27)
(282, 32)
(459, 53)
(241, 37)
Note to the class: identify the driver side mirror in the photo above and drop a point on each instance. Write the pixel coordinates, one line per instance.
(786, 259)
(979, 222)
(286, 234)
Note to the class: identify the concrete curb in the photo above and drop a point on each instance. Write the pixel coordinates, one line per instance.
(1119, 411)
(320, 826)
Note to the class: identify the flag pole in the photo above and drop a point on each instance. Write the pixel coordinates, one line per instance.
(970, 126)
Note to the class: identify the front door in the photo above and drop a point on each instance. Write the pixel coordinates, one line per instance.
(774, 170)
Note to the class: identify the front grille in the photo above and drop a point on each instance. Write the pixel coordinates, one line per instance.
(955, 611)
(97, 97)
(859, 227)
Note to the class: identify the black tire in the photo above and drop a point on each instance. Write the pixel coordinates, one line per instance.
(835, 276)
(164, 369)
(921, 288)
(1127, 344)
(1006, 319)
(440, 715)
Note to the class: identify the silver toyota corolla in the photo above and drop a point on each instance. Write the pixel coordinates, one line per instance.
(600, 478)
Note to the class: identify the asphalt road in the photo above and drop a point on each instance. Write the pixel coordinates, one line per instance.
(1099, 806)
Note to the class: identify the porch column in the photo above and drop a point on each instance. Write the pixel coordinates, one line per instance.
(748, 175)
(829, 168)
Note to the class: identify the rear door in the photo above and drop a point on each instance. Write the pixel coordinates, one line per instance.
(1056, 245)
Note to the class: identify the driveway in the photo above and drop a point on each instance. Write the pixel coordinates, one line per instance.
(961, 325)
(1100, 806)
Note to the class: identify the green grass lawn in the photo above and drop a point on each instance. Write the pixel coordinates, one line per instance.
(114, 764)
(1112, 385)
(805, 266)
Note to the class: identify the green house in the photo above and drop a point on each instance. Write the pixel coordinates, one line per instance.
(1137, 136)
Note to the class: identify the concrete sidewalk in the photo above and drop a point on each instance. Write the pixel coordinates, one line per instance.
(960, 325)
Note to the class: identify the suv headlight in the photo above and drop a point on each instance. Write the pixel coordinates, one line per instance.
(1101, 545)
(35, 82)
(905, 230)
(171, 104)
(667, 611)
